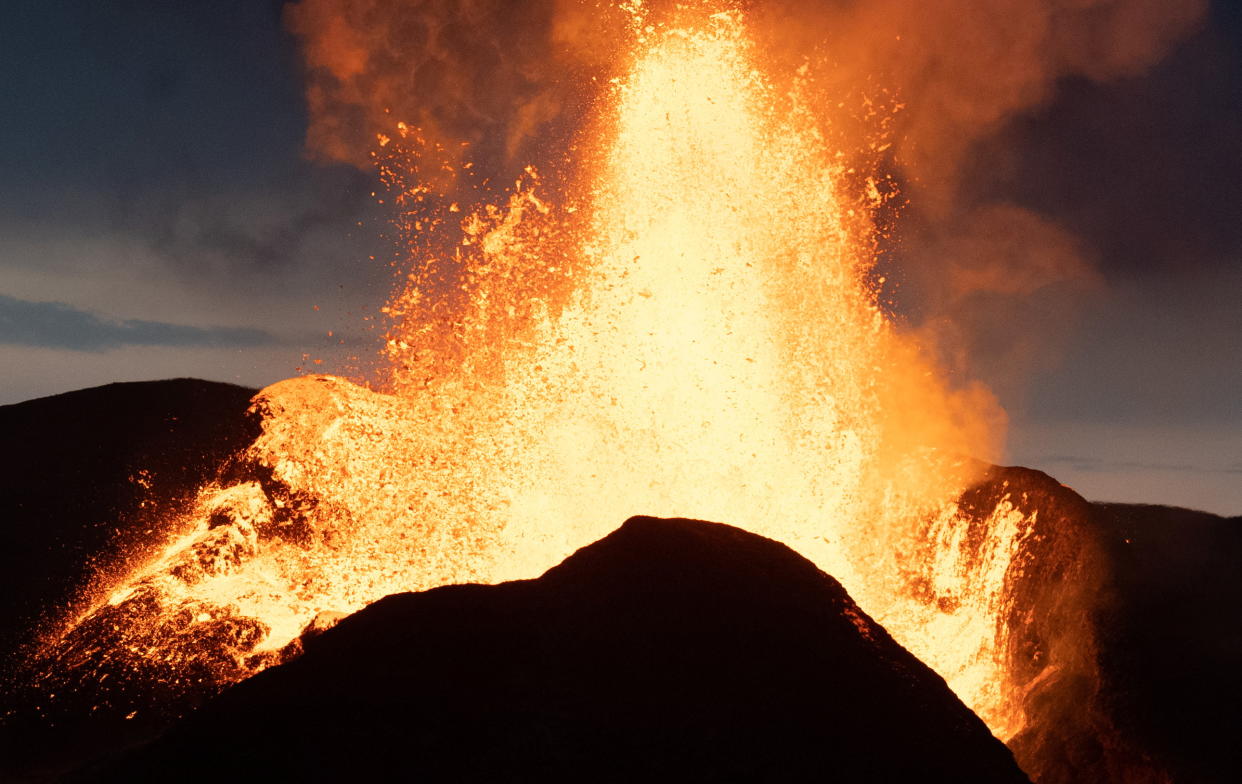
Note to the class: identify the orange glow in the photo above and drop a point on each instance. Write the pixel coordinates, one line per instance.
(698, 339)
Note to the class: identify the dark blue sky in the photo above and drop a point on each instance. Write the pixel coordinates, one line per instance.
(130, 95)
(159, 217)
(157, 213)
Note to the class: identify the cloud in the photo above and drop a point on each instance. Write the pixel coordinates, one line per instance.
(300, 219)
(1096, 464)
(57, 325)
(1161, 351)
(1083, 463)
(1194, 465)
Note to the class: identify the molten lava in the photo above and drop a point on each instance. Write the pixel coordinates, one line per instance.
(695, 336)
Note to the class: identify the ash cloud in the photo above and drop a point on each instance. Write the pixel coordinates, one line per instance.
(992, 283)
(57, 325)
(502, 76)
(963, 68)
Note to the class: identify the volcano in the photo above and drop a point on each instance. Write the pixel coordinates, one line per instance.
(682, 315)
(666, 646)
(669, 649)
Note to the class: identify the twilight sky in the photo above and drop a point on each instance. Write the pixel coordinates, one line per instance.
(159, 218)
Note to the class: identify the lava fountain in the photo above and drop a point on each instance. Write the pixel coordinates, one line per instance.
(691, 332)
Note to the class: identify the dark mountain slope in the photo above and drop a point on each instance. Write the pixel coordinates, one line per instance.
(1119, 618)
(84, 475)
(1170, 640)
(669, 650)
(1124, 639)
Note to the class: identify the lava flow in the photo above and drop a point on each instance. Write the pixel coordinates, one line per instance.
(690, 332)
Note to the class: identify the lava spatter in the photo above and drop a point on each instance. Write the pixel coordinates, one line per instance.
(697, 338)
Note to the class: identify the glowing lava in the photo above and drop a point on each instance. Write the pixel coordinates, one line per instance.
(698, 340)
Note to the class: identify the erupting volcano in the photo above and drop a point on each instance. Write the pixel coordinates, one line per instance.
(683, 321)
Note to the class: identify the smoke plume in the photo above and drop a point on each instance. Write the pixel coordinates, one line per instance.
(497, 75)
(910, 89)
(501, 73)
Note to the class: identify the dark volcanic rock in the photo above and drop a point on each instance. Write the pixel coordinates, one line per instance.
(88, 483)
(665, 650)
(1123, 636)
(1169, 640)
(1055, 583)
(670, 650)
(84, 474)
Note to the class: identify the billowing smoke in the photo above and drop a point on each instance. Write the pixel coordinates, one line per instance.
(993, 286)
(507, 78)
(502, 72)
(962, 68)
(910, 88)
